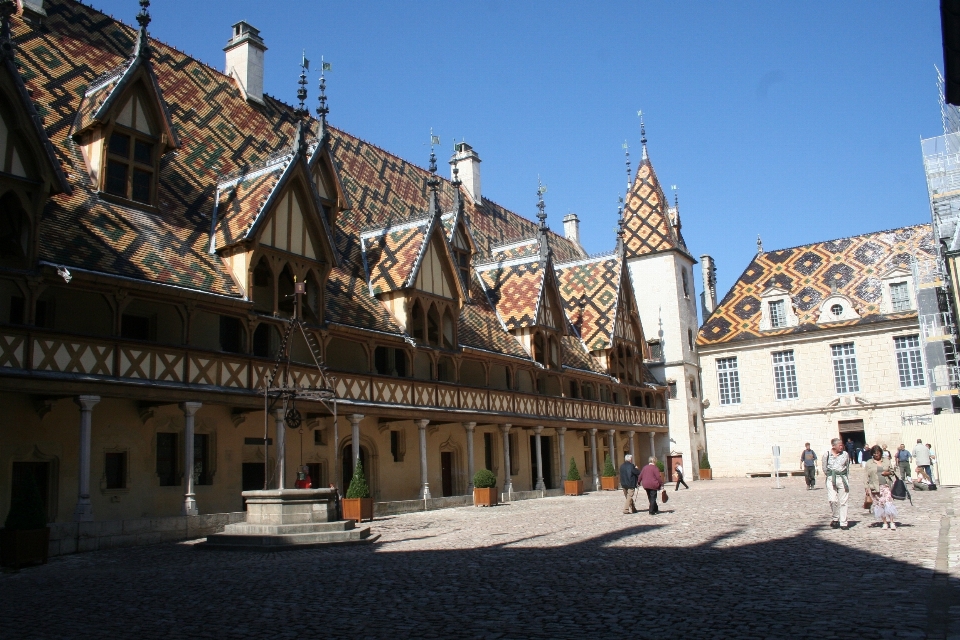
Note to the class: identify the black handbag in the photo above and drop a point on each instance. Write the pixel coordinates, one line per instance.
(899, 490)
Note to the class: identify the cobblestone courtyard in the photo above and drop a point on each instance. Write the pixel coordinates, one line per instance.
(728, 558)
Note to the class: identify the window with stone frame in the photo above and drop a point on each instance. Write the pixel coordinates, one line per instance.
(115, 470)
(785, 375)
(132, 156)
(728, 379)
(909, 361)
(167, 457)
(845, 375)
(899, 297)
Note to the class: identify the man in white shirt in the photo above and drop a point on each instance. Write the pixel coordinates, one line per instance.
(921, 457)
(933, 463)
(836, 467)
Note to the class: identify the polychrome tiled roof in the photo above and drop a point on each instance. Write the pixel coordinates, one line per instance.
(596, 282)
(648, 226)
(852, 267)
(514, 284)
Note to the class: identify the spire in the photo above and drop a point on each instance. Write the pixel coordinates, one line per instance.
(643, 136)
(433, 182)
(545, 250)
(759, 245)
(621, 230)
(302, 91)
(626, 151)
(7, 9)
(142, 47)
(322, 109)
(676, 207)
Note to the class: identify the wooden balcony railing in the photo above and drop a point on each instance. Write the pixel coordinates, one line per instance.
(117, 359)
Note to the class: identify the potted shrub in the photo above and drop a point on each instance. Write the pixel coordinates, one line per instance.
(663, 478)
(706, 473)
(573, 485)
(25, 537)
(485, 489)
(608, 481)
(358, 505)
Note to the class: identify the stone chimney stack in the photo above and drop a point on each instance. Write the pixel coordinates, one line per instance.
(468, 164)
(709, 295)
(245, 60)
(571, 228)
(33, 9)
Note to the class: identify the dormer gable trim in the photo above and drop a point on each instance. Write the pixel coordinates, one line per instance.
(848, 309)
(435, 230)
(320, 151)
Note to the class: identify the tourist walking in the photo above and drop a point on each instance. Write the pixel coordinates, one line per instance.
(921, 457)
(679, 471)
(808, 462)
(836, 469)
(651, 483)
(851, 449)
(933, 464)
(880, 478)
(903, 462)
(629, 474)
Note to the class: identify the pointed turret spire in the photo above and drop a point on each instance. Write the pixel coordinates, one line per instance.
(302, 91)
(643, 136)
(545, 250)
(433, 182)
(676, 208)
(626, 152)
(322, 109)
(142, 46)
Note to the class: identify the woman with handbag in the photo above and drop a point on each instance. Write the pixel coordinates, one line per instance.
(880, 478)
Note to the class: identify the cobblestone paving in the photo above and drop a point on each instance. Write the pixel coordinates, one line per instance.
(728, 558)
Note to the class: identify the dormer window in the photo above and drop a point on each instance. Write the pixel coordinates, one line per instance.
(836, 310)
(778, 316)
(899, 297)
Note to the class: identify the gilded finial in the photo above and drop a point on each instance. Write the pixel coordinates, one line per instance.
(302, 91)
(142, 46)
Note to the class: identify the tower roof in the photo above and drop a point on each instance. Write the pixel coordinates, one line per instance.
(648, 227)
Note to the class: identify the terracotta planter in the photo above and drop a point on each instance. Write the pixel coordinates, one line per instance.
(608, 483)
(663, 478)
(358, 509)
(488, 497)
(19, 548)
(706, 474)
(573, 487)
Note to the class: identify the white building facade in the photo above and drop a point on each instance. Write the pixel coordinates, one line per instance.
(812, 343)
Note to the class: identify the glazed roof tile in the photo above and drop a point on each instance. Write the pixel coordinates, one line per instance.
(647, 221)
(595, 281)
(852, 267)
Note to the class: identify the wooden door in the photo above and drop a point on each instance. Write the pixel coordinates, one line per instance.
(672, 462)
(446, 473)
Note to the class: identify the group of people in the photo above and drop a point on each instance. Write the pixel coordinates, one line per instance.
(883, 470)
(646, 478)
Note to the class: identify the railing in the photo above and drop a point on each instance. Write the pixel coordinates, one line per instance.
(112, 359)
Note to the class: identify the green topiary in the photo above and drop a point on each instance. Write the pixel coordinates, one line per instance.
(358, 483)
(573, 474)
(660, 465)
(26, 512)
(704, 462)
(608, 469)
(484, 479)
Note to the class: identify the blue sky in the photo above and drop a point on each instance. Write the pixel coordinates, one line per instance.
(798, 121)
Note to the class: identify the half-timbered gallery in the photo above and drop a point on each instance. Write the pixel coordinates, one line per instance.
(156, 215)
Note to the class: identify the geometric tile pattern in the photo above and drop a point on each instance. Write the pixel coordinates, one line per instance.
(646, 216)
(514, 289)
(391, 255)
(851, 266)
(596, 283)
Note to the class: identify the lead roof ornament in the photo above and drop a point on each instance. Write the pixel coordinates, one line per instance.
(302, 91)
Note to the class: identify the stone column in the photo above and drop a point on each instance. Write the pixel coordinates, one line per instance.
(84, 510)
(189, 497)
(355, 419)
(593, 459)
(653, 449)
(561, 435)
(540, 485)
(279, 418)
(424, 478)
(469, 426)
(612, 446)
(633, 448)
(508, 483)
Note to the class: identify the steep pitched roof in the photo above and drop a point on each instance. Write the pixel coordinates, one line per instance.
(392, 253)
(648, 227)
(852, 267)
(595, 281)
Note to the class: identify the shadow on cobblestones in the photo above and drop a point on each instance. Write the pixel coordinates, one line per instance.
(798, 586)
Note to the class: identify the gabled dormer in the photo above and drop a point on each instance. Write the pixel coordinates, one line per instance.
(123, 129)
(776, 309)
(271, 230)
(411, 271)
(326, 180)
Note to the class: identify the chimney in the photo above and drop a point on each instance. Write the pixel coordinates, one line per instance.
(571, 228)
(709, 295)
(468, 164)
(245, 60)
